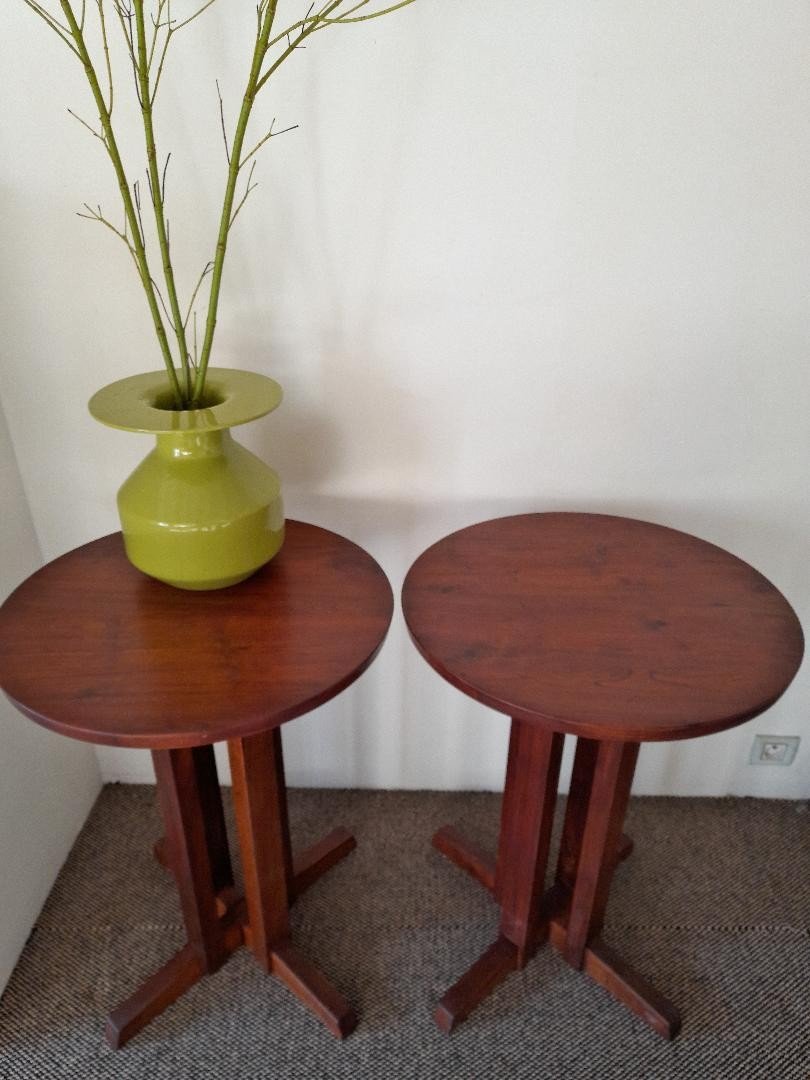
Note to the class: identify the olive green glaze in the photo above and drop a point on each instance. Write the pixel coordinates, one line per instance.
(200, 511)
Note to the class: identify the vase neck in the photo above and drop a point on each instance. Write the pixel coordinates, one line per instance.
(192, 445)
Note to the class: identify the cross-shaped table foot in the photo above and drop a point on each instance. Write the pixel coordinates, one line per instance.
(571, 912)
(218, 921)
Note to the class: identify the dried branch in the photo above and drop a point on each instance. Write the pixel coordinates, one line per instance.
(191, 18)
(156, 27)
(136, 191)
(270, 135)
(248, 188)
(147, 53)
(163, 304)
(123, 10)
(61, 31)
(89, 127)
(306, 28)
(206, 270)
(163, 178)
(222, 122)
(346, 19)
(171, 30)
(96, 215)
(132, 214)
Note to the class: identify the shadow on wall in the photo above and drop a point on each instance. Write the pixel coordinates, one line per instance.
(335, 402)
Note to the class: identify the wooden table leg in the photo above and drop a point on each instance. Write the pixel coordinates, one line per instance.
(260, 802)
(197, 849)
(308, 865)
(527, 814)
(480, 864)
(597, 841)
(592, 844)
(571, 913)
(466, 855)
(214, 818)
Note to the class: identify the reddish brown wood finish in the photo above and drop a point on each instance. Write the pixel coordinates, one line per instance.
(260, 803)
(616, 631)
(570, 913)
(193, 859)
(532, 774)
(316, 992)
(478, 863)
(93, 649)
(488, 970)
(313, 862)
(602, 626)
(606, 805)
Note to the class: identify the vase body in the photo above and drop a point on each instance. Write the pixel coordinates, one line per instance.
(200, 511)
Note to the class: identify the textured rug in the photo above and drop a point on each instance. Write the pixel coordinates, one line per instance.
(713, 906)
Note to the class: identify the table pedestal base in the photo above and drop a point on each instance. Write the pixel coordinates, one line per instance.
(219, 921)
(571, 912)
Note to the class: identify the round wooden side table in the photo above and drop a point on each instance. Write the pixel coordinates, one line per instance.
(617, 632)
(93, 649)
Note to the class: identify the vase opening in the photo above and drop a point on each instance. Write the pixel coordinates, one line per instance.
(165, 400)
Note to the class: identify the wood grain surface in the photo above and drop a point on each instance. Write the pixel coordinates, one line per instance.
(94, 649)
(602, 626)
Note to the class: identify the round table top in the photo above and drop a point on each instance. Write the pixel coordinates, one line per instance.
(94, 649)
(602, 626)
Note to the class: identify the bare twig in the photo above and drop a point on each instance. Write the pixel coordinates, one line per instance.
(307, 26)
(147, 54)
(248, 188)
(156, 27)
(130, 211)
(222, 122)
(163, 178)
(96, 215)
(123, 10)
(322, 19)
(162, 303)
(346, 19)
(89, 127)
(136, 191)
(61, 31)
(171, 30)
(206, 270)
(270, 135)
(191, 18)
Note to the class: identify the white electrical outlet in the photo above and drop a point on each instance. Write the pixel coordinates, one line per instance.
(774, 749)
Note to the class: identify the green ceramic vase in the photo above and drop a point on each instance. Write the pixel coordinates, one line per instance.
(200, 511)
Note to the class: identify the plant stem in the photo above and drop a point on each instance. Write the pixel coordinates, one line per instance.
(256, 81)
(123, 186)
(259, 52)
(142, 72)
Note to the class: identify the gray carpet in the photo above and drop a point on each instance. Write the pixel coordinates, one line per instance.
(714, 907)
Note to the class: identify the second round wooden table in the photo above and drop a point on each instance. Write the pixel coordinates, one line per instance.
(612, 630)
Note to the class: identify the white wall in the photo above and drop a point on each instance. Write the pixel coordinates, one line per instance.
(526, 256)
(47, 783)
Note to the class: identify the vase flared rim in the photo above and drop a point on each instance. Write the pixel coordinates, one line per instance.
(139, 403)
